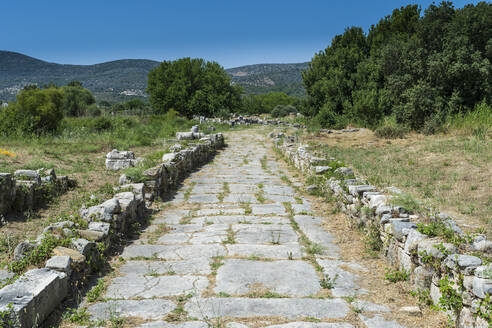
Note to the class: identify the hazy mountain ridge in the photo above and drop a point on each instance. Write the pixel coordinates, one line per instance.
(116, 80)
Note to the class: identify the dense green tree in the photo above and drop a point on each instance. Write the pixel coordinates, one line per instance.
(36, 111)
(416, 68)
(192, 87)
(266, 102)
(76, 99)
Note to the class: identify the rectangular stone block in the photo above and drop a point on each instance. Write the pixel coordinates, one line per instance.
(32, 297)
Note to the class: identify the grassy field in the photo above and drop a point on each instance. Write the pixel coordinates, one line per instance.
(79, 151)
(447, 172)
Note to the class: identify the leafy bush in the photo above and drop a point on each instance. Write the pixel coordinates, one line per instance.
(396, 275)
(389, 129)
(327, 118)
(101, 124)
(35, 112)
(282, 111)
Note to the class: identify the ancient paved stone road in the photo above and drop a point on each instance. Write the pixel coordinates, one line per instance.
(237, 245)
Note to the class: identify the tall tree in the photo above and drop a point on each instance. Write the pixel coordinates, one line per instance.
(192, 87)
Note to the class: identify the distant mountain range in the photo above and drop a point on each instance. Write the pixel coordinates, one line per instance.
(125, 79)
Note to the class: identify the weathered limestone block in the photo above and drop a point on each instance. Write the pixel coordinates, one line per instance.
(422, 277)
(25, 195)
(99, 226)
(117, 160)
(7, 192)
(77, 258)
(345, 171)
(431, 247)
(357, 191)
(101, 212)
(22, 249)
(60, 263)
(399, 229)
(170, 157)
(189, 135)
(482, 283)
(465, 263)
(31, 298)
(412, 240)
(28, 175)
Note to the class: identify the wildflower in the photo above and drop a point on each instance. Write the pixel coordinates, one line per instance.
(7, 153)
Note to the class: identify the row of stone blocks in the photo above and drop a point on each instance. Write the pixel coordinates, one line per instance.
(28, 189)
(165, 177)
(404, 246)
(29, 300)
(248, 120)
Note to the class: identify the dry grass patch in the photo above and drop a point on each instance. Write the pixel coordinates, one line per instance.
(450, 173)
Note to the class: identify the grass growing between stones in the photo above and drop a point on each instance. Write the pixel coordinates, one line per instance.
(247, 208)
(231, 236)
(225, 191)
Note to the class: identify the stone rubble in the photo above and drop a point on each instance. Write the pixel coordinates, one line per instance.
(29, 189)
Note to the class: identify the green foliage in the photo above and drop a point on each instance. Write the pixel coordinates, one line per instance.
(372, 239)
(96, 291)
(451, 299)
(396, 275)
(76, 99)
(407, 201)
(419, 68)
(35, 112)
(440, 229)
(477, 122)
(282, 111)
(328, 282)
(266, 103)
(40, 253)
(191, 87)
(390, 129)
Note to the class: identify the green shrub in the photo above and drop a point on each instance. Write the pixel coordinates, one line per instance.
(389, 129)
(101, 124)
(396, 275)
(35, 112)
(282, 111)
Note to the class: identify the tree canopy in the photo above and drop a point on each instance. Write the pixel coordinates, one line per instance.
(192, 87)
(418, 68)
(36, 111)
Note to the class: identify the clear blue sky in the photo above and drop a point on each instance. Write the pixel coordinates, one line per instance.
(231, 32)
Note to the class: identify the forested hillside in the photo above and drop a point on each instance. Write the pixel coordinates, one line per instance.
(121, 80)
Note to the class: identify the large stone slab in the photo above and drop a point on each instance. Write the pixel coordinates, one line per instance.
(32, 297)
(379, 322)
(203, 198)
(345, 282)
(293, 278)
(300, 324)
(265, 251)
(165, 324)
(264, 234)
(291, 308)
(145, 309)
(192, 266)
(133, 286)
(173, 252)
(262, 209)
